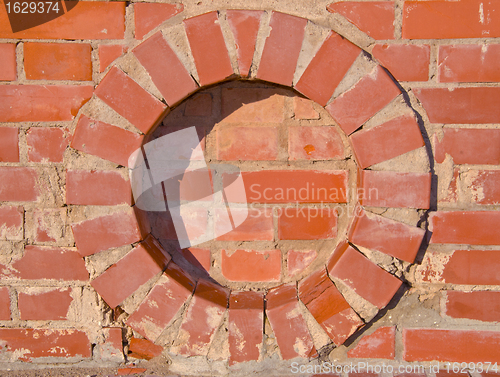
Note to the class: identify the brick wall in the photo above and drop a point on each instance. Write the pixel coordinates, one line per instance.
(391, 105)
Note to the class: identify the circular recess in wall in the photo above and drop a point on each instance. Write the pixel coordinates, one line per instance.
(298, 216)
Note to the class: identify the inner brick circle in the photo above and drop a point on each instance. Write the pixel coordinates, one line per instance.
(297, 169)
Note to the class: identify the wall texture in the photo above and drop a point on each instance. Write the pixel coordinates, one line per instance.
(393, 106)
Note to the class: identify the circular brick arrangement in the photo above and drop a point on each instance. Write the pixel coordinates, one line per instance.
(317, 279)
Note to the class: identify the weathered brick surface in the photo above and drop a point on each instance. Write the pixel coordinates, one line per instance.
(64, 182)
(64, 61)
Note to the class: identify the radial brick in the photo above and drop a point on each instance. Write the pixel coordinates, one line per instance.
(246, 321)
(369, 95)
(163, 302)
(143, 262)
(388, 236)
(288, 323)
(366, 278)
(328, 306)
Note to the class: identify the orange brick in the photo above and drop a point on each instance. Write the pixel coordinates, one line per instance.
(108, 54)
(58, 61)
(266, 265)
(380, 344)
(319, 80)
(47, 144)
(450, 19)
(405, 62)
(87, 20)
(150, 15)
(105, 140)
(247, 143)
(469, 63)
(375, 18)
(369, 95)
(208, 48)
(282, 48)
(8, 65)
(130, 100)
(461, 105)
(315, 143)
(52, 305)
(9, 144)
(44, 103)
(244, 24)
(18, 184)
(479, 305)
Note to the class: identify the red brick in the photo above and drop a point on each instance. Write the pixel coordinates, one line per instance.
(258, 226)
(378, 345)
(97, 187)
(4, 304)
(293, 186)
(480, 305)
(245, 105)
(469, 146)
(366, 278)
(105, 232)
(200, 105)
(485, 187)
(166, 70)
(104, 140)
(319, 80)
(29, 344)
(244, 25)
(306, 223)
(8, 66)
(108, 54)
(460, 105)
(246, 321)
(387, 236)
(405, 62)
(11, 223)
(247, 143)
(47, 144)
(315, 143)
(44, 103)
(162, 303)
(142, 263)
(299, 260)
(375, 18)
(369, 95)
(209, 48)
(304, 109)
(451, 345)
(474, 228)
(107, 22)
(282, 49)
(130, 100)
(472, 267)
(328, 306)
(9, 144)
(469, 63)
(143, 349)
(150, 15)
(288, 323)
(198, 257)
(51, 263)
(51, 305)
(18, 184)
(266, 265)
(443, 20)
(389, 140)
(203, 317)
(393, 189)
(58, 61)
